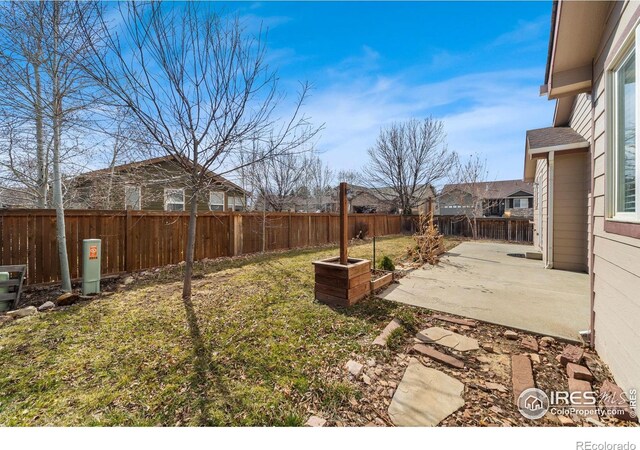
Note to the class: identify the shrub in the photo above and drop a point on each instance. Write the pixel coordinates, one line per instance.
(386, 263)
(362, 230)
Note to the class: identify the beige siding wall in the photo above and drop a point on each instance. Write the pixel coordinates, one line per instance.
(616, 259)
(570, 211)
(540, 226)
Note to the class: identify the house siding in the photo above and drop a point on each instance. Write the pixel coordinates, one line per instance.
(570, 212)
(540, 227)
(616, 259)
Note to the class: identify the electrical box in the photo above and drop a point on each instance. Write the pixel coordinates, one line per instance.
(91, 254)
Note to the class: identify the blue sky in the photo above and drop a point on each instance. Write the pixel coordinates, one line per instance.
(477, 66)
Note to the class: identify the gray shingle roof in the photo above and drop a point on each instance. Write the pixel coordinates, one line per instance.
(492, 189)
(553, 137)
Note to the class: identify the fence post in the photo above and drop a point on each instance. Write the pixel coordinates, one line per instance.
(128, 247)
(289, 231)
(232, 235)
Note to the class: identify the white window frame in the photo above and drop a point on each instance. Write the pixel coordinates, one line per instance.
(231, 200)
(126, 197)
(211, 193)
(167, 191)
(613, 186)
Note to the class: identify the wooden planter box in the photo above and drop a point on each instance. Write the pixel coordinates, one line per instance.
(340, 285)
(383, 281)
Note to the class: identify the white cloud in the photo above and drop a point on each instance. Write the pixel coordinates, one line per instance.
(485, 113)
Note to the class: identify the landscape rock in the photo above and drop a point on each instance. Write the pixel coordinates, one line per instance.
(446, 338)
(530, 343)
(614, 399)
(465, 322)
(425, 397)
(66, 299)
(546, 341)
(315, 421)
(22, 312)
(128, 280)
(521, 375)
(535, 358)
(565, 421)
(571, 354)
(46, 306)
(5, 319)
(487, 347)
(496, 387)
(354, 368)
(578, 400)
(511, 335)
(366, 379)
(382, 337)
(578, 372)
(438, 356)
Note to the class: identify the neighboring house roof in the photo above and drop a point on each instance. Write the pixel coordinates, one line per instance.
(153, 161)
(491, 189)
(554, 138)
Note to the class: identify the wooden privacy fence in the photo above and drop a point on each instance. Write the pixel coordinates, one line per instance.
(138, 240)
(502, 229)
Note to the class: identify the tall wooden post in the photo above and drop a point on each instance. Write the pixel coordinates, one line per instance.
(344, 224)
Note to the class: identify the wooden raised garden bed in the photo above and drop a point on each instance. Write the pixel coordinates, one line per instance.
(380, 280)
(342, 285)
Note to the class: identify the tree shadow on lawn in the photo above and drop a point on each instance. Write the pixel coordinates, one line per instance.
(206, 373)
(370, 309)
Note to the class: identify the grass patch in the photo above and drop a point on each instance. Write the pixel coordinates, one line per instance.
(253, 347)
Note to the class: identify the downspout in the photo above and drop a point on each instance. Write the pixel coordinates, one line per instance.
(592, 278)
(550, 212)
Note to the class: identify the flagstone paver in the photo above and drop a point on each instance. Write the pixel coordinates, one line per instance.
(455, 341)
(382, 337)
(425, 397)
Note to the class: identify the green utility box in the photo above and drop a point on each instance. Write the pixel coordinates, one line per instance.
(91, 254)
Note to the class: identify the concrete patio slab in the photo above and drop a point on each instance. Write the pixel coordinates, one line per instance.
(425, 397)
(446, 338)
(484, 281)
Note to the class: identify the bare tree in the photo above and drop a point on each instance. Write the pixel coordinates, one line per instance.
(199, 86)
(406, 159)
(44, 93)
(320, 181)
(468, 190)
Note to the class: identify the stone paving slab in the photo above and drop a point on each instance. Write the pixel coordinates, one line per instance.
(382, 337)
(425, 397)
(521, 375)
(446, 338)
(438, 356)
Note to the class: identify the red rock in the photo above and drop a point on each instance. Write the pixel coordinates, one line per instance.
(571, 354)
(511, 335)
(382, 338)
(438, 356)
(615, 400)
(521, 375)
(465, 322)
(578, 372)
(579, 401)
(530, 343)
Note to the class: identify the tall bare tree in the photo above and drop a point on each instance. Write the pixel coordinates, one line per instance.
(199, 85)
(468, 190)
(320, 181)
(44, 92)
(406, 158)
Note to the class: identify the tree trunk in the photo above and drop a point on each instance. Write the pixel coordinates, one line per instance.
(40, 150)
(57, 177)
(191, 246)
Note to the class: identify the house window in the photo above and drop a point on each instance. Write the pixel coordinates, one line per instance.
(132, 197)
(216, 201)
(174, 199)
(236, 202)
(624, 160)
(520, 203)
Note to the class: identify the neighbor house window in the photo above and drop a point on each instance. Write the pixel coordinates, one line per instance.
(174, 199)
(519, 203)
(236, 202)
(132, 197)
(216, 201)
(625, 162)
